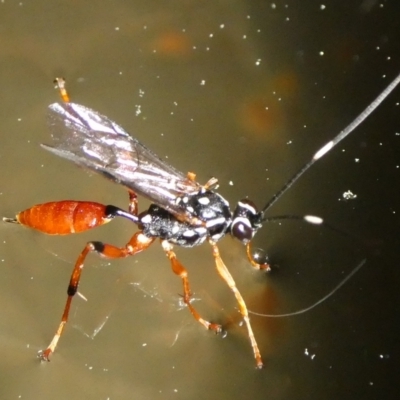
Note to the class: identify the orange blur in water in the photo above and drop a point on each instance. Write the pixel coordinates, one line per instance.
(173, 43)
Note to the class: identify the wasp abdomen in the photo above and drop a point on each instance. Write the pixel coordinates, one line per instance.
(64, 217)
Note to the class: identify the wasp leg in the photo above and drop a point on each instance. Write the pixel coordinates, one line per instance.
(133, 203)
(138, 243)
(60, 85)
(180, 270)
(212, 183)
(255, 264)
(227, 277)
(191, 176)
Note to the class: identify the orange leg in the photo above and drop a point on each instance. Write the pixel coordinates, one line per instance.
(191, 176)
(180, 270)
(227, 277)
(254, 263)
(60, 85)
(133, 203)
(138, 243)
(212, 183)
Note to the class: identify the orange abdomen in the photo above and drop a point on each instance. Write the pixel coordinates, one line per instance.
(63, 217)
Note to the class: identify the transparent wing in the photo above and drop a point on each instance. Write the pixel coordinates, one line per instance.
(92, 140)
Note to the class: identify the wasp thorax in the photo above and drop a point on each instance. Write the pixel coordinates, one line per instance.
(246, 221)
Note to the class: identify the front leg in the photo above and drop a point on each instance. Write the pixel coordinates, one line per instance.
(262, 266)
(227, 277)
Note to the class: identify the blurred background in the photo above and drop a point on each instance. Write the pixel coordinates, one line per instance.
(245, 91)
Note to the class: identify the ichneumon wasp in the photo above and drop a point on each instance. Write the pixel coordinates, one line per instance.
(184, 212)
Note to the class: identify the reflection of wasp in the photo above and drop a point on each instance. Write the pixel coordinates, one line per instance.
(184, 212)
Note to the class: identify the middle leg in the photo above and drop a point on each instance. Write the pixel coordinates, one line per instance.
(180, 270)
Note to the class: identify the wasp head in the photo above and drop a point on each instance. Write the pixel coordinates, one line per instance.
(246, 221)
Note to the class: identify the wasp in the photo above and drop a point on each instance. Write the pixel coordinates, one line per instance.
(183, 212)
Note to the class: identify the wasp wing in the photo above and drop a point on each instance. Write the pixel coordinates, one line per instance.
(92, 140)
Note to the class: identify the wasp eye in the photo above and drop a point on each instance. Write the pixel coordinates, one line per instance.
(241, 229)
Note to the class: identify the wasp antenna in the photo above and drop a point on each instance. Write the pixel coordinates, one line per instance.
(313, 220)
(310, 219)
(304, 310)
(328, 146)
